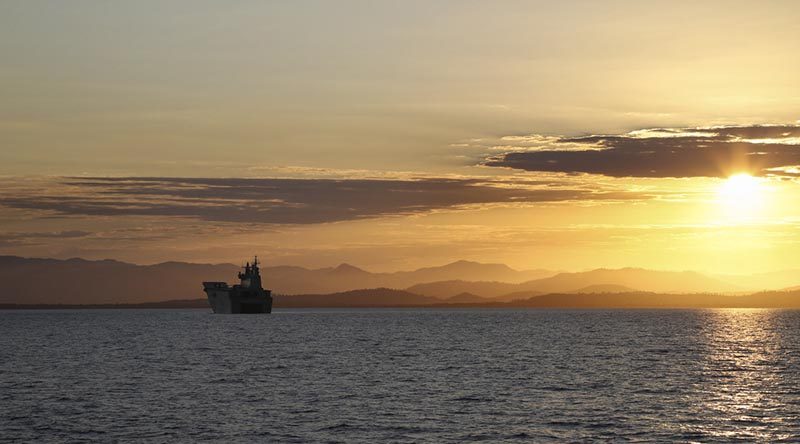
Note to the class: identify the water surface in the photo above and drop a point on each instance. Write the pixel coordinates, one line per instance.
(400, 375)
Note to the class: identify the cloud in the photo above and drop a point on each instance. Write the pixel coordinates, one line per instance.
(661, 152)
(290, 201)
(14, 239)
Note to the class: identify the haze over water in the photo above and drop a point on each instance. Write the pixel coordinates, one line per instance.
(374, 375)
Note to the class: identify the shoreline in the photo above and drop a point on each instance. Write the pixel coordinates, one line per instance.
(650, 301)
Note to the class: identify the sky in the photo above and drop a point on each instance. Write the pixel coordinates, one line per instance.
(394, 135)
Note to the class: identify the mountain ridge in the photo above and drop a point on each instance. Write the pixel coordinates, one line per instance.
(82, 281)
(625, 279)
(389, 298)
(78, 280)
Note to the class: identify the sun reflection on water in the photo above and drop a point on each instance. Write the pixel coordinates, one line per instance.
(741, 385)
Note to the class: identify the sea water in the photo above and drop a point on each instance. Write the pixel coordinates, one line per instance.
(400, 375)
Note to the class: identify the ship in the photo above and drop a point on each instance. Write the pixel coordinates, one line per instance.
(246, 297)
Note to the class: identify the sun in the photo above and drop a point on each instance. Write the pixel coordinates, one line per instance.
(741, 194)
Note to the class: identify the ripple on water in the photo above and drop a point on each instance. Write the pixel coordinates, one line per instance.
(400, 375)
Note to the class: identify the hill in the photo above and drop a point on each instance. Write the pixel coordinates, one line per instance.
(472, 270)
(773, 299)
(764, 281)
(604, 288)
(466, 298)
(645, 280)
(377, 297)
(79, 281)
(447, 289)
(594, 281)
(298, 280)
(382, 297)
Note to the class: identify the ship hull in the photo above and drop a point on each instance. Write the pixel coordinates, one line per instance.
(232, 300)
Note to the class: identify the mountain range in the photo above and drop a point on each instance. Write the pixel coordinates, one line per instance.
(384, 297)
(80, 281)
(295, 280)
(594, 281)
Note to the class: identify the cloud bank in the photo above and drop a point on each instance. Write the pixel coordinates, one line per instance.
(662, 152)
(15, 239)
(289, 201)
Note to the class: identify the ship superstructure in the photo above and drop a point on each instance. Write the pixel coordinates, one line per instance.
(246, 297)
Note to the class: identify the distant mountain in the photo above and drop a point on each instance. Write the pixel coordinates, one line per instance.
(466, 298)
(382, 297)
(517, 295)
(774, 299)
(79, 281)
(600, 280)
(178, 303)
(297, 280)
(447, 289)
(763, 281)
(346, 270)
(645, 280)
(590, 289)
(474, 271)
(604, 288)
(377, 297)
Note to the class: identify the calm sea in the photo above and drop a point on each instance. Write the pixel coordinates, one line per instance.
(400, 376)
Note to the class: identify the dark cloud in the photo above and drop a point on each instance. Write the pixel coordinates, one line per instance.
(33, 238)
(668, 152)
(289, 201)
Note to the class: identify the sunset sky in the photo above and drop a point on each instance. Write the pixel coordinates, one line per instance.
(395, 135)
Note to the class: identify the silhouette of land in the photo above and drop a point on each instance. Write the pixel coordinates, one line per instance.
(78, 283)
(387, 298)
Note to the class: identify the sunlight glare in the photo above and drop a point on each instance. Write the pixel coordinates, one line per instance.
(741, 194)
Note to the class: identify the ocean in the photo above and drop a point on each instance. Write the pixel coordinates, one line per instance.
(400, 375)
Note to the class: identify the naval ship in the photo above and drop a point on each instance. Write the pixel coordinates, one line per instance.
(245, 297)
